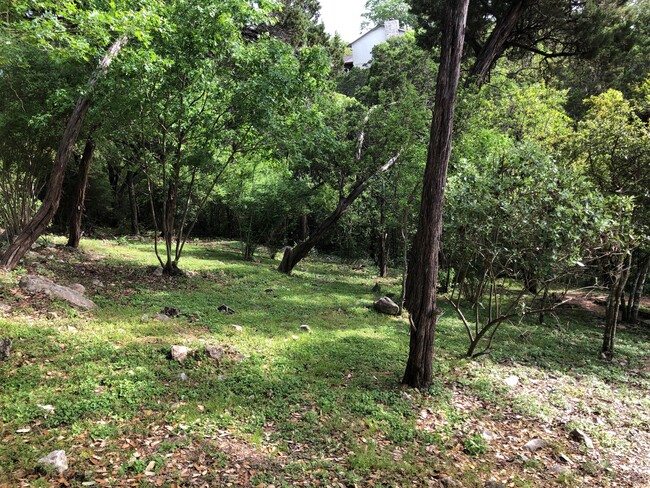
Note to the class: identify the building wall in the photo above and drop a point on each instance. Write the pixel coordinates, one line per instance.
(362, 47)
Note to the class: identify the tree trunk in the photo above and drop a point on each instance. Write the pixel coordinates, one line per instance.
(496, 43)
(304, 227)
(292, 256)
(383, 254)
(39, 223)
(133, 203)
(423, 272)
(637, 290)
(617, 288)
(82, 184)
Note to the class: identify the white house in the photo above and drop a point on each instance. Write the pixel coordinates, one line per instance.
(362, 47)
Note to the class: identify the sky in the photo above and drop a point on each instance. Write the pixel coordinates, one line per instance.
(342, 16)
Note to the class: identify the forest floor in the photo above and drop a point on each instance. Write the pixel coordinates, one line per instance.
(289, 407)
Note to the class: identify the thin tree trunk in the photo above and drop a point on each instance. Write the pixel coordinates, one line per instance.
(76, 216)
(613, 305)
(496, 43)
(41, 220)
(637, 291)
(383, 253)
(133, 203)
(423, 272)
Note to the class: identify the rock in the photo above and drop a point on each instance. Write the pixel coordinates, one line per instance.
(171, 311)
(55, 460)
(225, 309)
(97, 283)
(305, 328)
(4, 308)
(158, 271)
(215, 352)
(72, 329)
(160, 316)
(448, 482)
(52, 315)
(34, 284)
(494, 484)
(511, 381)
(188, 273)
(535, 444)
(386, 306)
(181, 376)
(47, 408)
(179, 353)
(237, 328)
(376, 288)
(579, 436)
(558, 469)
(488, 436)
(144, 317)
(564, 458)
(295, 337)
(78, 287)
(5, 349)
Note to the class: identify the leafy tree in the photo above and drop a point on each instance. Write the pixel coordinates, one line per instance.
(379, 11)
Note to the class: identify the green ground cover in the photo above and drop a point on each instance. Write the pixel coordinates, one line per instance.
(286, 407)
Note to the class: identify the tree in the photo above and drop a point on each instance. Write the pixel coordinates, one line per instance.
(423, 274)
(379, 11)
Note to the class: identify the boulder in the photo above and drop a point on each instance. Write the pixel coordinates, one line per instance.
(215, 352)
(534, 444)
(5, 349)
(35, 284)
(386, 306)
(160, 316)
(78, 287)
(179, 353)
(55, 460)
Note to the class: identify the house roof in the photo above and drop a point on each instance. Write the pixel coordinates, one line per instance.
(400, 29)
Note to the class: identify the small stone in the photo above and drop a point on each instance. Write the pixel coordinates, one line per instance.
(488, 436)
(144, 317)
(52, 315)
(56, 459)
(215, 352)
(511, 381)
(221, 377)
(564, 458)
(158, 271)
(535, 444)
(179, 353)
(579, 436)
(200, 408)
(181, 376)
(47, 408)
(4, 308)
(72, 329)
(97, 283)
(558, 469)
(448, 482)
(305, 328)
(494, 484)
(171, 311)
(386, 306)
(5, 349)
(78, 287)
(295, 337)
(160, 316)
(237, 328)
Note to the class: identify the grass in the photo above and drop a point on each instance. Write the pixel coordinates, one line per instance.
(324, 407)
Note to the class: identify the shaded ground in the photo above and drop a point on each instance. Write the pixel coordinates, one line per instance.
(324, 408)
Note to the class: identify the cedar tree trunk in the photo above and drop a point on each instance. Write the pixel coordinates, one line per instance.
(616, 292)
(82, 184)
(421, 285)
(41, 220)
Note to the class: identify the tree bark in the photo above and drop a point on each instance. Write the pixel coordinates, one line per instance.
(423, 272)
(39, 223)
(636, 292)
(292, 256)
(76, 216)
(496, 43)
(133, 203)
(617, 289)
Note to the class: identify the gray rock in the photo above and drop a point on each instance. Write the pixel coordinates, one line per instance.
(52, 315)
(535, 444)
(4, 308)
(160, 316)
(56, 460)
(179, 353)
(579, 436)
(97, 283)
(237, 328)
(35, 284)
(386, 306)
(144, 317)
(225, 309)
(5, 349)
(215, 352)
(448, 482)
(488, 435)
(158, 271)
(558, 469)
(78, 287)
(181, 376)
(511, 381)
(305, 328)
(494, 484)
